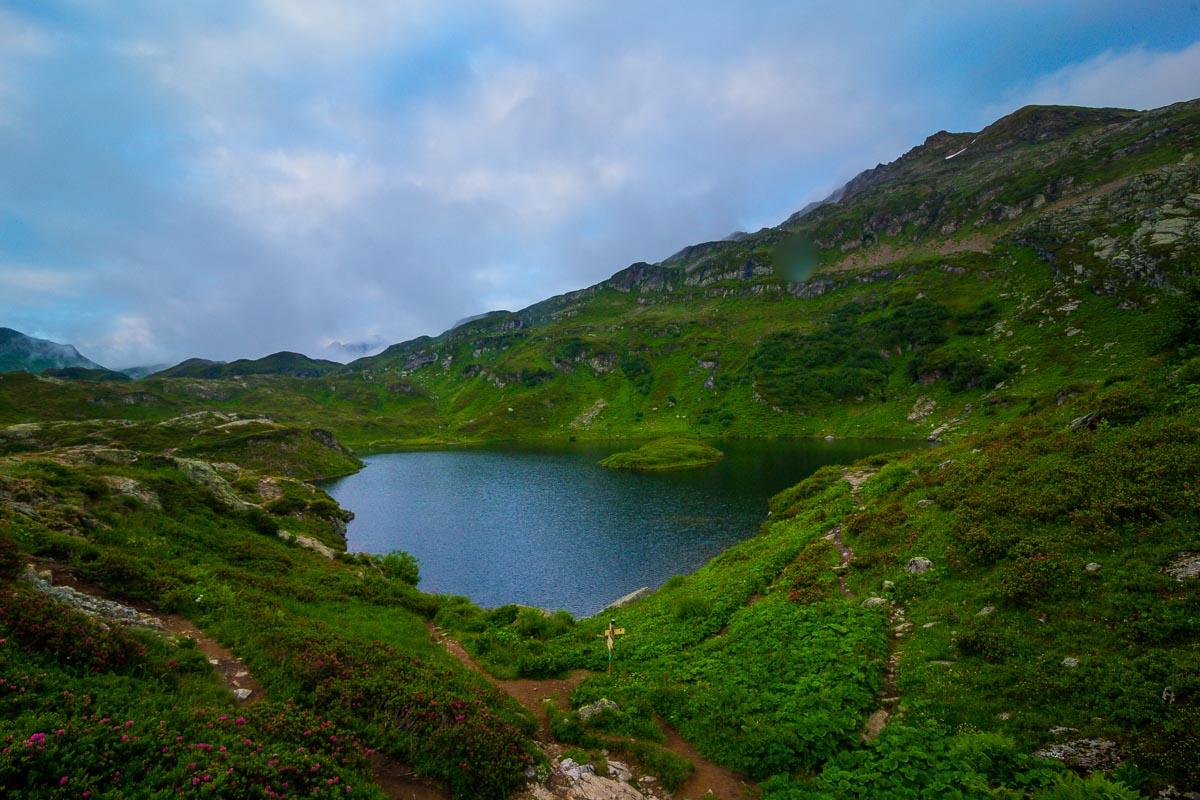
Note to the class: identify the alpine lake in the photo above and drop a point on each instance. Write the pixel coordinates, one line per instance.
(546, 526)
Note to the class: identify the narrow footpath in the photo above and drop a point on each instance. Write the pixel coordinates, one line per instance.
(708, 779)
(397, 779)
(888, 696)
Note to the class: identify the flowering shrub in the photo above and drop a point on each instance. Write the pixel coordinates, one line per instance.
(270, 752)
(445, 726)
(38, 623)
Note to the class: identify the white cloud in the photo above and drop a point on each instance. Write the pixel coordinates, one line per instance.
(1136, 78)
(37, 280)
(131, 333)
(21, 44)
(289, 192)
(127, 341)
(270, 174)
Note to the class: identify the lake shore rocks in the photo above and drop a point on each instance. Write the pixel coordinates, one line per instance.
(632, 597)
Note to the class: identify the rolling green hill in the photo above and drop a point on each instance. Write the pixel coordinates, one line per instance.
(293, 365)
(986, 618)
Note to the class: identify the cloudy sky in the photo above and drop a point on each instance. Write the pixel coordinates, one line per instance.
(228, 179)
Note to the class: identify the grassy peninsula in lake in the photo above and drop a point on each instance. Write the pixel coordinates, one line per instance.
(668, 453)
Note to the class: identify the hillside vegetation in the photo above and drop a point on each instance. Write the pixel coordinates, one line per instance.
(997, 616)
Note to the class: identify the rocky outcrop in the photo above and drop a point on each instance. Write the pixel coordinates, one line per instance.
(107, 610)
(918, 565)
(570, 780)
(1184, 566)
(1087, 755)
(205, 475)
(329, 440)
(585, 419)
(641, 276)
(128, 487)
(594, 709)
(308, 543)
(922, 407)
(1140, 233)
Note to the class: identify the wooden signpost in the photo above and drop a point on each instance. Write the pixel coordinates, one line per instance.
(610, 639)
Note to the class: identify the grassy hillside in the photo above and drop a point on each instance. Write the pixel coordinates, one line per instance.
(946, 623)
(294, 365)
(992, 598)
(340, 648)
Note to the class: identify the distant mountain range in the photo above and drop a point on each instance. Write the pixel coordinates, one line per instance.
(22, 353)
(293, 365)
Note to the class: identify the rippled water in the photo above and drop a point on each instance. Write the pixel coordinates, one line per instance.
(547, 527)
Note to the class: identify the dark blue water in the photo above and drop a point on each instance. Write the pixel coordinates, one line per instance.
(548, 527)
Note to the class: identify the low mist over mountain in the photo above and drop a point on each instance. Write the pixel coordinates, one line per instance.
(21, 353)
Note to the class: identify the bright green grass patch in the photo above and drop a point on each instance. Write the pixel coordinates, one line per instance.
(668, 453)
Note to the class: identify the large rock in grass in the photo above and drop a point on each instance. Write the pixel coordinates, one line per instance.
(573, 781)
(1087, 755)
(918, 565)
(593, 709)
(1184, 566)
(206, 476)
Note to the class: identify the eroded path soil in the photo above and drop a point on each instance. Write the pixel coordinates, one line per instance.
(232, 672)
(707, 777)
(888, 695)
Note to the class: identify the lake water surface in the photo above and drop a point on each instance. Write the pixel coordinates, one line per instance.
(548, 527)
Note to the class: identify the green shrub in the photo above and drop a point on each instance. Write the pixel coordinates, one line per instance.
(908, 763)
(983, 637)
(960, 368)
(985, 544)
(262, 522)
(401, 566)
(265, 751)
(1032, 574)
(287, 504)
(671, 769)
(1125, 404)
(41, 624)
(10, 555)
(533, 623)
(691, 607)
(1094, 787)
(127, 576)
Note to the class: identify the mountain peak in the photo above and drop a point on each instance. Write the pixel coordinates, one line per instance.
(20, 352)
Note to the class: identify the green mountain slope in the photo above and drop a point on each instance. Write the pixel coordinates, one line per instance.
(1015, 258)
(940, 292)
(973, 620)
(21, 353)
